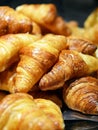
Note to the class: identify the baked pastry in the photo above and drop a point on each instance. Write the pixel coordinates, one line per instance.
(22, 111)
(71, 64)
(35, 60)
(89, 30)
(38, 12)
(92, 19)
(85, 93)
(13, 22)
(46, 16)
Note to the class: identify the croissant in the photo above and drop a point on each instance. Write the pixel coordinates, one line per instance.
(81, 45)
(10, 45)
(92, 19)
(12, 21)
(91, 26)
(71, 64)
(21, 111)
(92, 34)
(35, 60)
(90, 29)
(38, 12)
(85, 93)
(46, 16)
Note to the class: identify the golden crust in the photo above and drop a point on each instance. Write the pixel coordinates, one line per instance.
(13, 22)
(21, 111)
(85, 93)
(38, 12)
(47, 17)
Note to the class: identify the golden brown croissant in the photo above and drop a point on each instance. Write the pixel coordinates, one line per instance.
(82, 95)
(38, 12)
(35, 60)
(81, 45)
(71, 64)
(46, 16)
(90, 29)
(90, 34)
(10, 45)
(92, 19)
(21, 111)
(12, 21)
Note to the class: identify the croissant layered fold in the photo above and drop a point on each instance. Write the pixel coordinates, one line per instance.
(71, 64)
(21, 111)
(82, 95)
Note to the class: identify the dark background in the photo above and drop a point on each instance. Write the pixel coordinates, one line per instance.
(69, 9)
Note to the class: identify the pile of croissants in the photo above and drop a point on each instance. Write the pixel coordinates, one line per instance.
(46, 63)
